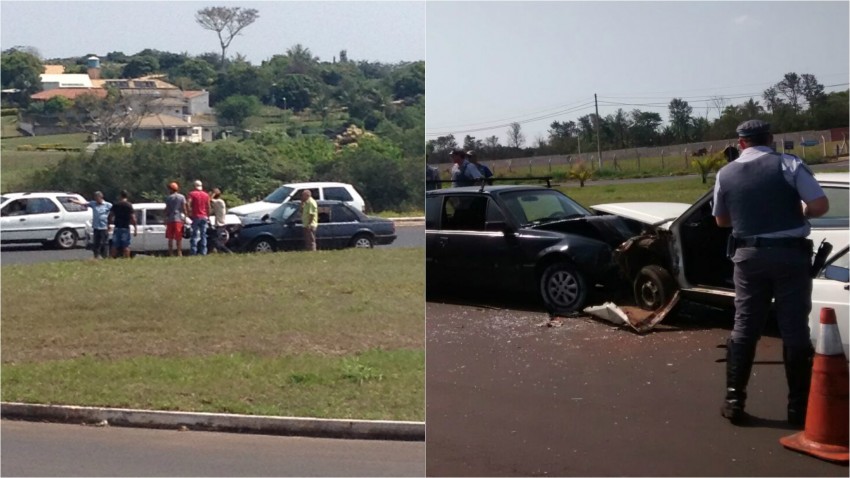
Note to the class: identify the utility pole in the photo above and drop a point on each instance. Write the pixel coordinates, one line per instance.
(598, 144)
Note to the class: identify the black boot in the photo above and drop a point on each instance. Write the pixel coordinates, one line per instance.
(798, 372)
(739, 364)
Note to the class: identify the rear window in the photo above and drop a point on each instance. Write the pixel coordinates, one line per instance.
(279, 195)
(837, 216)
(341, 213)
(69, 206)
(338, 194)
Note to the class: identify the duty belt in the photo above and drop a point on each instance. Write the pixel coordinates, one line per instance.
(792, 242)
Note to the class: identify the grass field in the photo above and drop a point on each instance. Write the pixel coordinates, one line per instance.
(330, 334)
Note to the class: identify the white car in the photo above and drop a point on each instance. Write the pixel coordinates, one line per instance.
(51, 218)
(321, 191)
(150, 220)
(681, 246)
(831, 288)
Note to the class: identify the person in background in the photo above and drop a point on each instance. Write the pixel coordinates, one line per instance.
(310, 219)
(219, 212)
(199, 212)
(463, 172)
(766, 198)
(482, 168)
(122, 216)
(175, 211)
(99, 223)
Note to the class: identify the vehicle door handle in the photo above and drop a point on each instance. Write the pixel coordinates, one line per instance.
(22, 219)
(149, 229)
(847, 287)
(55, 217)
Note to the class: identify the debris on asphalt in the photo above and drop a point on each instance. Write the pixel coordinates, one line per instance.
(552, 322)
(638, 319)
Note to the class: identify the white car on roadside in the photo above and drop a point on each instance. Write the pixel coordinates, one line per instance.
(321, 191)
(51, 218)
(150, 220)
(679, 246)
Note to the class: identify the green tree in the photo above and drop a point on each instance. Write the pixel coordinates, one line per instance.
(140, 66)
(299, 92)
(20, 70)
(680, 119)
(227, 23)
(199, 72)
(237, 108)
(515, 136)
(301, 60)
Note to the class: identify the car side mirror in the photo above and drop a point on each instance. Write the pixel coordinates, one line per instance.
(837, 273)
(499, 226)
(265, 218)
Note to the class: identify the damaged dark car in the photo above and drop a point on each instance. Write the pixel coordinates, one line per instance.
(521, 237)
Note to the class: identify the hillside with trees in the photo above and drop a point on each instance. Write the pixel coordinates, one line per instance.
(293, 117)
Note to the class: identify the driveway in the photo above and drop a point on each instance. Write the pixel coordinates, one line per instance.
(509, 397)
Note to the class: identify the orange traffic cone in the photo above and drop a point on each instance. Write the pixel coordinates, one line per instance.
(826, 432)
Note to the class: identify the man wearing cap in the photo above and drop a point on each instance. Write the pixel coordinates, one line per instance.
(766, 198)
(464, 173)
(99, 223)
(199, 212)
(175, 211)
(482, 168)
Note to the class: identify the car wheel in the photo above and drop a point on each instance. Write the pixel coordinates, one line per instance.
(263, 245)
(362, 241)
(563, 288)
(65, 239)
(653, 287)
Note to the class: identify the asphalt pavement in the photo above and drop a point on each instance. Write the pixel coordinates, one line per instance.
(41, 449)
(507, 396)
(410, 234)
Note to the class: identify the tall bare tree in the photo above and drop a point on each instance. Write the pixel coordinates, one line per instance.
(515, 137)
(227, 22)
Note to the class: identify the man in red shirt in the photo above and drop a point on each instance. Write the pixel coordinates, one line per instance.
(199, 212)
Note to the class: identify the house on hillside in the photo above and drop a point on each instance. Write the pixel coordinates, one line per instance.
(166, 113)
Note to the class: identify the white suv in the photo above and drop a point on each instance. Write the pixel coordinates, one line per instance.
(292, 192)
(51, 218)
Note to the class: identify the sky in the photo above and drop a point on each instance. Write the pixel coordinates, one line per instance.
(388, 32)
(492, 63)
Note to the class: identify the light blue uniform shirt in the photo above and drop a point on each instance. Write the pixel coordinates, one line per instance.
(796, 174)
(99, 214)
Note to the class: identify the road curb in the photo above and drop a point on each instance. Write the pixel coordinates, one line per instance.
(408, 219)
(221, 422)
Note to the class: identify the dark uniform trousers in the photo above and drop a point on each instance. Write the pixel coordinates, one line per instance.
(765, 273)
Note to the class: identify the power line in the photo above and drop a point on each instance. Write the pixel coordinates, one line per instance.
(505, 125)
(511, 118)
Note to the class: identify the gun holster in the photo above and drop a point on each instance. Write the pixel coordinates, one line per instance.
(822, 254)
(731, 246)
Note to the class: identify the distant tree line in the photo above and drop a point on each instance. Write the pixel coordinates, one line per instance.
(795, 103)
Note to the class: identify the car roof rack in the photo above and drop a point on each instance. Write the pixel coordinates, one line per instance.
(489, 181)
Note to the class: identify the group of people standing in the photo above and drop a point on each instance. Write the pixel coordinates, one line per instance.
(466, 171)
(196, 206)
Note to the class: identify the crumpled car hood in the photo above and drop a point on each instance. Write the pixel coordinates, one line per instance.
(608, 229)
(661, 214)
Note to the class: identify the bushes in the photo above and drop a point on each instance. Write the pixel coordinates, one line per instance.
(244, 170)
(9, 112)
(48, 147)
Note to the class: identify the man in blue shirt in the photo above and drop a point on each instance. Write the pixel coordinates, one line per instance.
(99, 214)
(482, 168)
(766, 198)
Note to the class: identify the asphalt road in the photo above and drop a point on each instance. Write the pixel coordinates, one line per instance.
(412, 235)
(509, 397)
(41, 449)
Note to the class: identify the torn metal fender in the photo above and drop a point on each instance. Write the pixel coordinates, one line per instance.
(637, 319)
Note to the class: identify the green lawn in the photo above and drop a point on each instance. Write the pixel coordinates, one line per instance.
(685, 190)
(327, 334)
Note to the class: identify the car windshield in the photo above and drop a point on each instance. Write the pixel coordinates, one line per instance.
(279, 195)
(539, 206)
(283, 213)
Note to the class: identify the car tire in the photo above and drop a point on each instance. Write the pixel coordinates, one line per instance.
(563, 288)
(363, 241)
(263, 245)
(65, 239)
(653, 287)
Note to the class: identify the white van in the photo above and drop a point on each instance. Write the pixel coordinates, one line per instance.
(292, 192)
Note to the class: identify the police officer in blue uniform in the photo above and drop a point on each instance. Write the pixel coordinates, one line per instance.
(766, 198)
